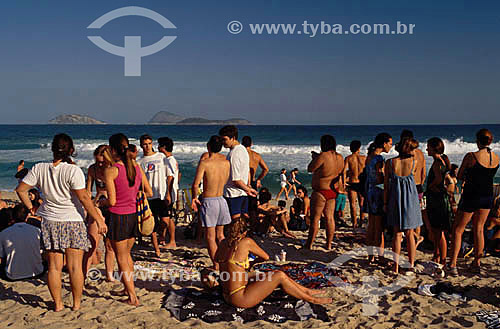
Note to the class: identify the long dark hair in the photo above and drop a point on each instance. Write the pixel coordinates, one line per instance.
(63, 148)
(437, 145)
(119, 143)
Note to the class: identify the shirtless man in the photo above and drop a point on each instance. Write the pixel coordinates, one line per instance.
(326, 168)
(419, 176)
(214, 211)
(256, 161)
(353, 167)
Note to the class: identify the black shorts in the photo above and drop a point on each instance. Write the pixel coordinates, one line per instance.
(122, 227)
(471, 203)
(160, 209)
(238, 205)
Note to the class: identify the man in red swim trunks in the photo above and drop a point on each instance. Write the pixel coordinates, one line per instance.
(326, 168)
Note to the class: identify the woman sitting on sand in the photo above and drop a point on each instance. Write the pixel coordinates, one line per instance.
(273, 217)
(477, 170)
(238, 288)
(63, 230)
(122, 184)
(103, 160)
(401, 201)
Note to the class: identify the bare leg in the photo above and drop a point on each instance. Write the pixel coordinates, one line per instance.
(171, 230)
(109, 260)
(352, 205)
(154, 238)
(94, 238)
(330, 222)
(379, 235)
(410, 246)
(256, 291)
(456, 240)
(396, 247)
(478, 221)
(210, 237)
(74, 259)
(317, 206)
(126, 267)
(54, 278)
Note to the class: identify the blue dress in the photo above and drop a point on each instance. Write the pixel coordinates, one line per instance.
(374, 194)
(403, 206)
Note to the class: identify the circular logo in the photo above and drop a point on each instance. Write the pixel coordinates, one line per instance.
(94, 274)
(234, 27)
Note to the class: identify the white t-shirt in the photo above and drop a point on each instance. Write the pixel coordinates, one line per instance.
(20, 245)
(173, 170)
(55, 183)
(282, 178)
(155, 169)
(240, 169)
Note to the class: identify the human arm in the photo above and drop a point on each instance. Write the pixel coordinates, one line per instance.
(145, 183)
(316, 162)
(110, 175)
(466, 163)
(195, 190)
(254, 248)
(87, 203)
(387, 169)
(22, 192)
(90, 181)
(263, 173)
(423, 171)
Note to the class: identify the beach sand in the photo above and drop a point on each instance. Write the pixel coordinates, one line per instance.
(28, 304)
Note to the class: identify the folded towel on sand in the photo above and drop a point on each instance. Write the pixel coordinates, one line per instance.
(313, 275)
(210, 307)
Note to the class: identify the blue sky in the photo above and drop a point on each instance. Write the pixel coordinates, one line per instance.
(448, 71)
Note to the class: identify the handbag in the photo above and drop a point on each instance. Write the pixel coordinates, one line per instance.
(145, 219)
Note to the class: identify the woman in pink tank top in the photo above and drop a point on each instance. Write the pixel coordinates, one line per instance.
(123, 180)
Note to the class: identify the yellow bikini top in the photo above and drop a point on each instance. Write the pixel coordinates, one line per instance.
(245, 264)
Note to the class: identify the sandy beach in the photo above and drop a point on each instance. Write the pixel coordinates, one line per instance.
(27, 304)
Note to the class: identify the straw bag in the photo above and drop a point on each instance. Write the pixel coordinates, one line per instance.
(145, 217)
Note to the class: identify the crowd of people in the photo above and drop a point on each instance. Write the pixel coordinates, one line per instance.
(60, 211)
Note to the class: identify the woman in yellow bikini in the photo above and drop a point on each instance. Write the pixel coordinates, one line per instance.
(243, 289)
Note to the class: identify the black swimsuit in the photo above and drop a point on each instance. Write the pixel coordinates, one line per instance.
(478, 188)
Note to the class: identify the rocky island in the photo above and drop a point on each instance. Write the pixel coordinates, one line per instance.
(168, 118)
(75, 119)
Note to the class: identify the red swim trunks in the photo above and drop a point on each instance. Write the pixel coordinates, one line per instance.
(328, 194)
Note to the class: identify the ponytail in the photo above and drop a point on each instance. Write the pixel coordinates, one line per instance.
(119, 143)
(63, 148)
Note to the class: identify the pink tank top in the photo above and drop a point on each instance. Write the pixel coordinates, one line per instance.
(125, 195)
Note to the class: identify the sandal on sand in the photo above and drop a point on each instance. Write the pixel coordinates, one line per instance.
(452, 271)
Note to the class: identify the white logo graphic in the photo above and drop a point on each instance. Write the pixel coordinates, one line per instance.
(132, 50)
(370, 290)
(234, 27)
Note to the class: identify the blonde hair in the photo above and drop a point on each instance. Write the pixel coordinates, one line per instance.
(237, 231)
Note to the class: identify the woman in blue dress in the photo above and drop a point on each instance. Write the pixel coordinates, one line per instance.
(401, 201)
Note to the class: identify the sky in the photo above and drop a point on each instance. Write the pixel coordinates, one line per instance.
(446, 72)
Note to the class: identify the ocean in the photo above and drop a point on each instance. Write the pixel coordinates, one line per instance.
(280, 146)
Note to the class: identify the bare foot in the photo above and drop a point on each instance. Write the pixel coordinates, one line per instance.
(75, 307)
(314, 292)
(420, 239)
(170, 245)
(58, 308)
(157, 253)
(131, 303)
(322, 300)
